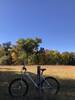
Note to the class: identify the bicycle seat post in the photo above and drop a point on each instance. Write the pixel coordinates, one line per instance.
(38, 75)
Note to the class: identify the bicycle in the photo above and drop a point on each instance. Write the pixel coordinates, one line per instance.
(19, 87)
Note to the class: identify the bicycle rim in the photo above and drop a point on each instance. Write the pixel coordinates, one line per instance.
(50, 86)
(18, 88)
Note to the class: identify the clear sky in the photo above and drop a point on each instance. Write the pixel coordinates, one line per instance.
(51, 20)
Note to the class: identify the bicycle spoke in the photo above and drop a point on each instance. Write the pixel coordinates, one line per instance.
(18, 88)
(50, 85)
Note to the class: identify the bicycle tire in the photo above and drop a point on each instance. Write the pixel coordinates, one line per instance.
(53, 84)
(15, 81)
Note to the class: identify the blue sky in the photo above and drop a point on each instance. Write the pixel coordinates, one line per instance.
(51, 20)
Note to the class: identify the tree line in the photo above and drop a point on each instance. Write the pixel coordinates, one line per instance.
(29, 50)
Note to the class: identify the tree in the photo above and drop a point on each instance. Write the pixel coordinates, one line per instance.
(38, 57)
(6, 53)
(72, 58)
(53, 57)
(68, 58)
(28, 46)
(28, 50)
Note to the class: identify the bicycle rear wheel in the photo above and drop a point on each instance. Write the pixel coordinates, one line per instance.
(18, 88)
(50, 86)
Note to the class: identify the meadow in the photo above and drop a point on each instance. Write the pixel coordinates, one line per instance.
(64, 74)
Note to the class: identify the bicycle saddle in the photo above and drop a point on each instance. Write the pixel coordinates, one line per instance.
(43, 69)
(24, 68)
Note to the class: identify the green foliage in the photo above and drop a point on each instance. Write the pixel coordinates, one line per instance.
(5, 60)
(26, 50)
(5, 53)
(27, 47)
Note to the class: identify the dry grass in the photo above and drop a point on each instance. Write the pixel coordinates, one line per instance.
(62, 72)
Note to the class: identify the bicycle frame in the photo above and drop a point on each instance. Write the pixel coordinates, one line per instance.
(35, 84)
(39, 78)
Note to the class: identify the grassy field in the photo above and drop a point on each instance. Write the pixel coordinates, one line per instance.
(64, 74)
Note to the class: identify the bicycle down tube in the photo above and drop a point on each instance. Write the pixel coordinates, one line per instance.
(27, 74)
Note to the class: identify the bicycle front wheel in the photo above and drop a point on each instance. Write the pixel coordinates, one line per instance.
(50, 86)
(18, 88)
